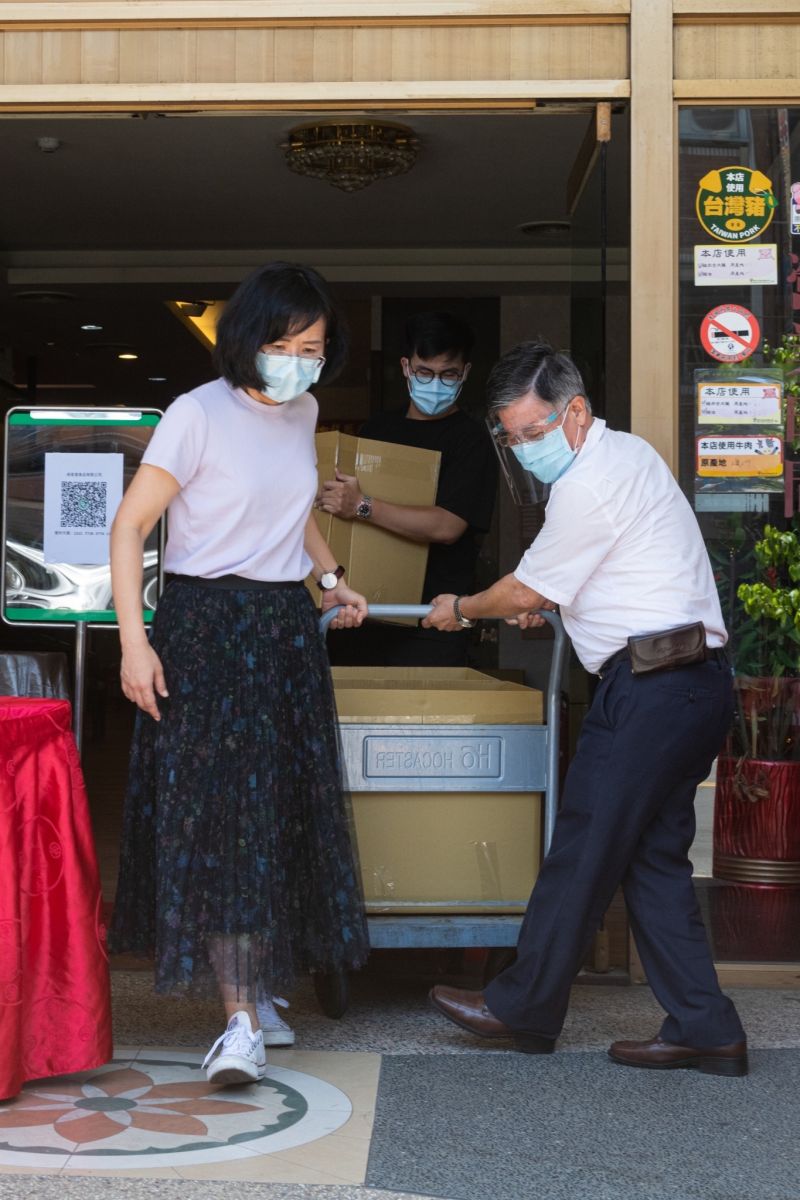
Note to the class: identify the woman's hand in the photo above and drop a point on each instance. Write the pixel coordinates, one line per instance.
(355, 606)
(142, 675)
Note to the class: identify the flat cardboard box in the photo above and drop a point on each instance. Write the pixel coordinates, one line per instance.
(442, 852)
(432, 696)
(384, 567)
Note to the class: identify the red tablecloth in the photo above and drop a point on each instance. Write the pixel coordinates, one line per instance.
(55, 1011)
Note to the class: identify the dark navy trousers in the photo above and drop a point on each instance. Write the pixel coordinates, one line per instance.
(627, 817)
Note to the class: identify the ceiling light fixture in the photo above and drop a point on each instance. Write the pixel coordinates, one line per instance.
(546, 230)
(92, 328)
(44, 297)
(156, 379)
(128, 356)
(193, 308)
(351, 156)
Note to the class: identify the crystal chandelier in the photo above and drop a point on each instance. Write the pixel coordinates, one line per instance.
(351, 156)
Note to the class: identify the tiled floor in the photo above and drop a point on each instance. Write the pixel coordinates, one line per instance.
(151, 1113)
(150, 1123)
(150, 1120)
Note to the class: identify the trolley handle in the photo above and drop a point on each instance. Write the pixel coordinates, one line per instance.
(554, 682)
(379, 610)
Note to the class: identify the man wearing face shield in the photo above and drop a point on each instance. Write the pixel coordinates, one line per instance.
(622, 555)
(435, 366)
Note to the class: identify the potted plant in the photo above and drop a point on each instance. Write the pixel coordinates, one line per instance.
(757, 802)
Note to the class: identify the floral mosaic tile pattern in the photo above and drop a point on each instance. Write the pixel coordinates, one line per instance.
(162, 1111)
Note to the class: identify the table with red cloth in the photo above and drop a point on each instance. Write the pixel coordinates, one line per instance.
(55, 1007)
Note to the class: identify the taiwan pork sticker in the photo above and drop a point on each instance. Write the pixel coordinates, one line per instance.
(739, 457)
(735, 204)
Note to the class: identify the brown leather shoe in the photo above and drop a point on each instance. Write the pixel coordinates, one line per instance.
(664, 1056)
(468, 1010)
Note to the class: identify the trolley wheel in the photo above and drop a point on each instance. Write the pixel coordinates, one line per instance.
(497, 960)
(332, 990)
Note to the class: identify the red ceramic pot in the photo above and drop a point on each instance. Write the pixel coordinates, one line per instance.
(757, 821)
(754, 922)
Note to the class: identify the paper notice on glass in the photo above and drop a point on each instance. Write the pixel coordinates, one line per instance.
(82, 493)
(739, 402)
(744, 265)
(738, 457)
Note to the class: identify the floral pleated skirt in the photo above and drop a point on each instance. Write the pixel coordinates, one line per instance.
(237, 862)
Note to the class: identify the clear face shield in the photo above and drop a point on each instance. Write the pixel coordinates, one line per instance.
(525, 488)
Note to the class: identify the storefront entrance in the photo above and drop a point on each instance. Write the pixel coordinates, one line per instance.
(136, 226)
(139, 226)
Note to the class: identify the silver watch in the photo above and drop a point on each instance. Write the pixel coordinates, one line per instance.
(364, 508)
(463, 621)
(329, 579)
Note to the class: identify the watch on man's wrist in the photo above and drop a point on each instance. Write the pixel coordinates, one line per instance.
(364, 508)
(329, 579)
(463, 621)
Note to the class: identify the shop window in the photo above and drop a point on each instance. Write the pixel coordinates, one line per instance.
(739, 212)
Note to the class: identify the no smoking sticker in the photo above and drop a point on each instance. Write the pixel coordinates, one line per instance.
(730, 333)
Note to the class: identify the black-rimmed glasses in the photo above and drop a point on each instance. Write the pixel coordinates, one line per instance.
(426, 375)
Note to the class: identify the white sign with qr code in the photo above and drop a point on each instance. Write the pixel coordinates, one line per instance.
(82, 493)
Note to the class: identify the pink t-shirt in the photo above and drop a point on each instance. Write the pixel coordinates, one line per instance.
(248, 480)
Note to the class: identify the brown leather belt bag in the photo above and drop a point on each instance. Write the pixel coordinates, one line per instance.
(673, 648)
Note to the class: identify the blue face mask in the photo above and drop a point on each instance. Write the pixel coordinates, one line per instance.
(286, 376)
(434, 397)
(548, 458)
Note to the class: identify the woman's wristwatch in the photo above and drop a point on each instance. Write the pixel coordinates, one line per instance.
(329, 579)
(463, 621)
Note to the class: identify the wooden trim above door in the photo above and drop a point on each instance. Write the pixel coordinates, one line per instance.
(192, 14)
(731, 12)
(737, 91)
(291, 97)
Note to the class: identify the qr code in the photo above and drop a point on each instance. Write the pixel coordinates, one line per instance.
(83, 505)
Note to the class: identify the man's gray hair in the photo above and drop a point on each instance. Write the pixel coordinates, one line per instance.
(534, 367)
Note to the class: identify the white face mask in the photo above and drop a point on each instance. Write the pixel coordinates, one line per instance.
(287, 376)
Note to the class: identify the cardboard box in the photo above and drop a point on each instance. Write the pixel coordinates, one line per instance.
(447, 852)
(432, 696)
(384, 567)
(432, 851)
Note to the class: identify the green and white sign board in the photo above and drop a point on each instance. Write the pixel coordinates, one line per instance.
(64, 474)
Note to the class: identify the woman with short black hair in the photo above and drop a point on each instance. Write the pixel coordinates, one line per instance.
(237, 867)
(256, 314)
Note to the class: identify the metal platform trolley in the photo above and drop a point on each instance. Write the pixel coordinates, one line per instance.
(400, 762)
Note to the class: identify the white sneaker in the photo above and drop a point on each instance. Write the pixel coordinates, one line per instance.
(241, 1057)
(276, 1031)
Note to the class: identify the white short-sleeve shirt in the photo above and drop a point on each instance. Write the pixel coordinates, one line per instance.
(248, 480)
(620, 550)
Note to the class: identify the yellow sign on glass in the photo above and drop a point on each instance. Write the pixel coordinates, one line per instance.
(735, 204)
(739, 457)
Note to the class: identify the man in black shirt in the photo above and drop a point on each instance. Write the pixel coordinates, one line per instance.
(436, 365)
